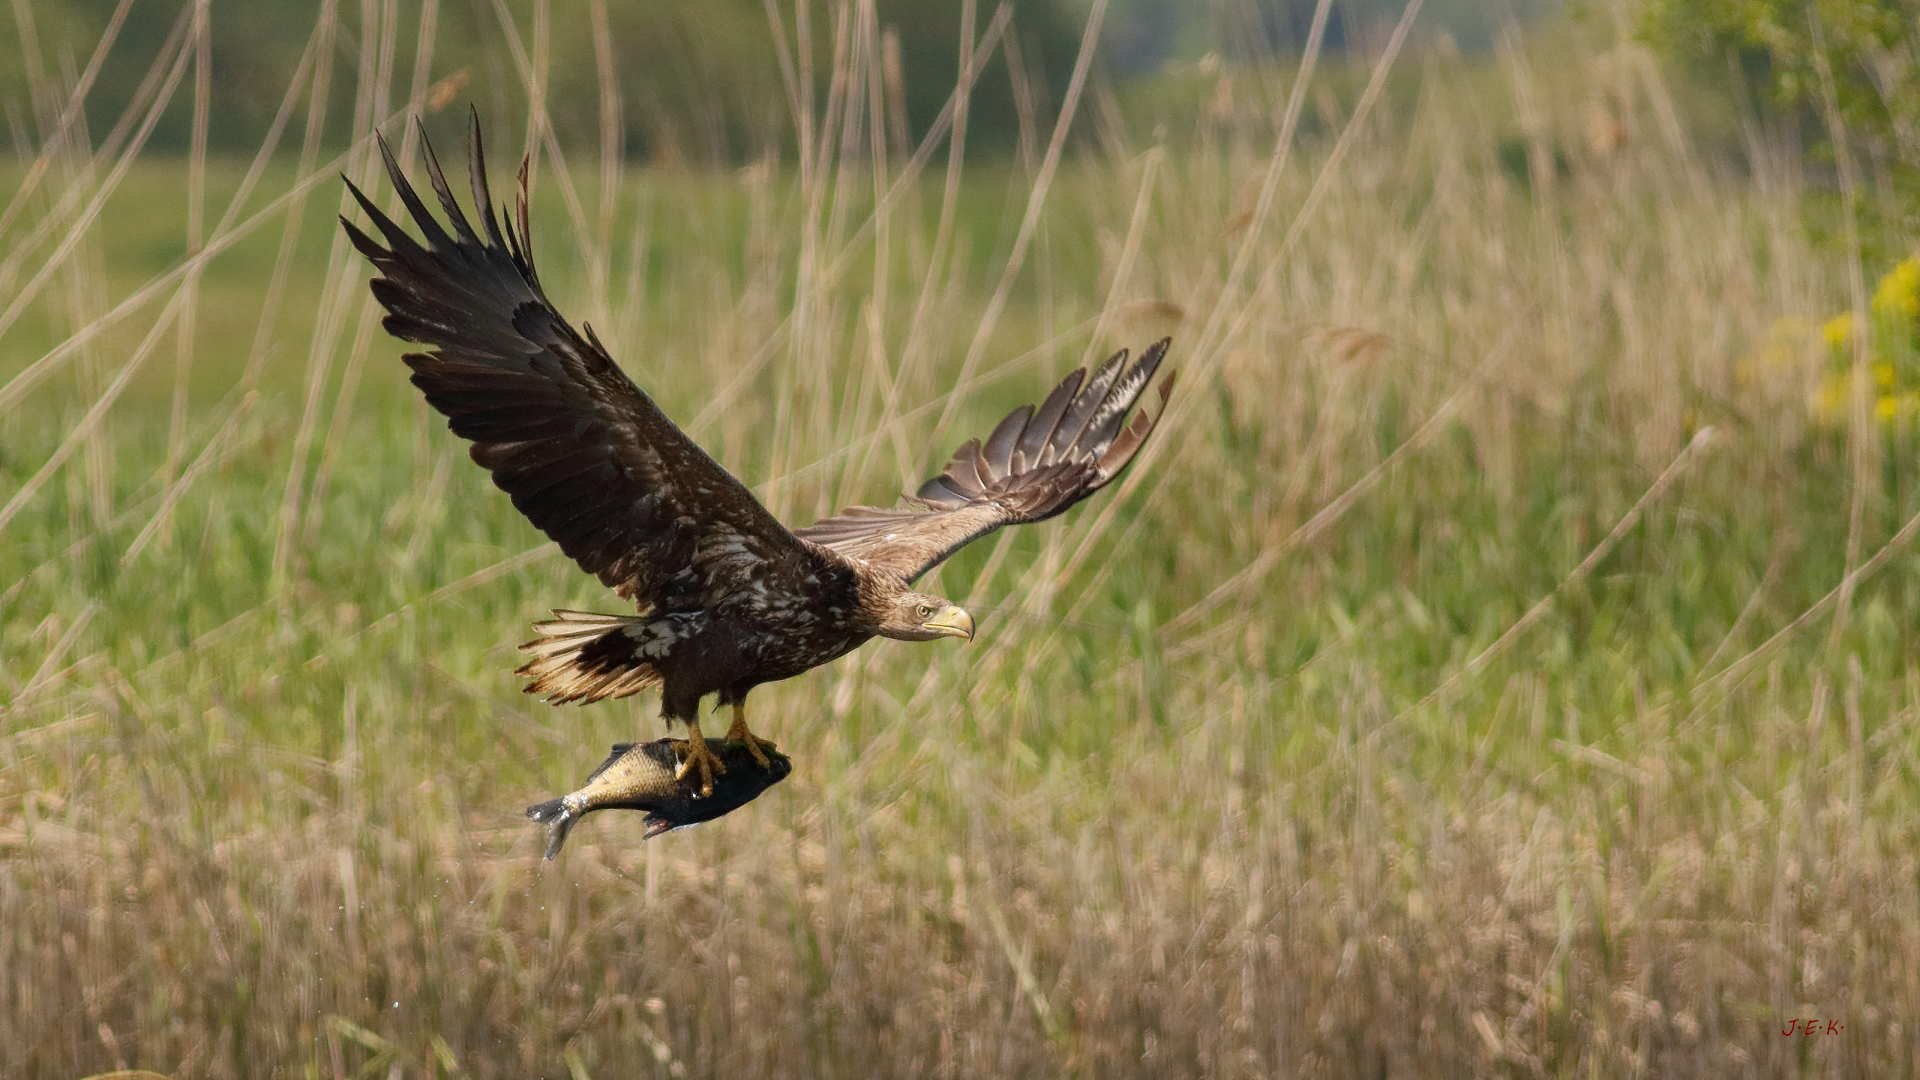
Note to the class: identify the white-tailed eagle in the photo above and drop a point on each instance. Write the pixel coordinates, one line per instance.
(728, 597)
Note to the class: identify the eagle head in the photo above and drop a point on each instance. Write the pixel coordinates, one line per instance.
(919, 617)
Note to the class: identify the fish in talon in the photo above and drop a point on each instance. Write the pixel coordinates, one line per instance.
(648, 777)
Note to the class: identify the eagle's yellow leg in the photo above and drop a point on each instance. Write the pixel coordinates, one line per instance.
(699, 757)
(739, 733)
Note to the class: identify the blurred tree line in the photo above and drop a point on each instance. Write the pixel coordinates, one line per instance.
(1845, 68)
(698, 80)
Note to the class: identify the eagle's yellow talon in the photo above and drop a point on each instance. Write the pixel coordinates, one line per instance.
(700, 757)
(756, 745)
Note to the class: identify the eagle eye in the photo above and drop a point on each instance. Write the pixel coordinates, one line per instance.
(925, 611)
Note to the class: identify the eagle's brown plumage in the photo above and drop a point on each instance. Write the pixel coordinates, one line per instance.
(728, 598)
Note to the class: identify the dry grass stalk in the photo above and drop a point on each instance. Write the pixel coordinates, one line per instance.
(261, 764)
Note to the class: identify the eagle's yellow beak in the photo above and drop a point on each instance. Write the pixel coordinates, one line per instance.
(953, 621)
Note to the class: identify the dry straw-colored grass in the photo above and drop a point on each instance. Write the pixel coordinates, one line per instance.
(1241, 779)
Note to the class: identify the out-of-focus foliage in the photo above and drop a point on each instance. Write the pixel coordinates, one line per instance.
(1046, 39)
(699, 81)
(1870, 50)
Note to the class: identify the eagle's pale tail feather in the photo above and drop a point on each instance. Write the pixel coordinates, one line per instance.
(582, 656)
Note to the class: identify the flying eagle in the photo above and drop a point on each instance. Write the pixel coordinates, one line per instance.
(728, 597)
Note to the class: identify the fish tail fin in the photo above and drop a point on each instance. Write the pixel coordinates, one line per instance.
(559, 822)
(582, 656)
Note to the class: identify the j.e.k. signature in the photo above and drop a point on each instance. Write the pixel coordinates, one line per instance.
(1812, 1027)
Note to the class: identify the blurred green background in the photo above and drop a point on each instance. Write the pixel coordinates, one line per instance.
(697, 80)
(1502, 663)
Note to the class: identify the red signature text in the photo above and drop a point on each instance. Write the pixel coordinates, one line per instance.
(1813, 1027)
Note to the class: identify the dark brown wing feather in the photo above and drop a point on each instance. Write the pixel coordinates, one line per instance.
(1035, 465)
(585, 454)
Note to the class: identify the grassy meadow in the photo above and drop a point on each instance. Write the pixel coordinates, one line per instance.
(1495, 667)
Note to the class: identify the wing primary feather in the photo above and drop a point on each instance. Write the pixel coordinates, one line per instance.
(998, 456)
(477, 180)
(398, 240)
(1122, 448)
(437, 176)
(437, 237)
(1040, 428)
(1129, 441)
(1106, 420)
(580, 449)
(1067, 432)
(1035, 465)
(362, 241)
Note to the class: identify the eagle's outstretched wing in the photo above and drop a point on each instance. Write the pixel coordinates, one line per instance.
(1036, 464)
(585, 454)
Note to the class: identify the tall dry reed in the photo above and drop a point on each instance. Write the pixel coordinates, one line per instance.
(1434, 698)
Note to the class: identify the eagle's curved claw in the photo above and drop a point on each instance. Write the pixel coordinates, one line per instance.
(759, 747)
(755, 745)
(698, 756)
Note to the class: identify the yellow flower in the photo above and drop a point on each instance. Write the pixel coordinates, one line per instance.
(1896, 307)
(1838, 331)
(1897, 406)
(1898, 293)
